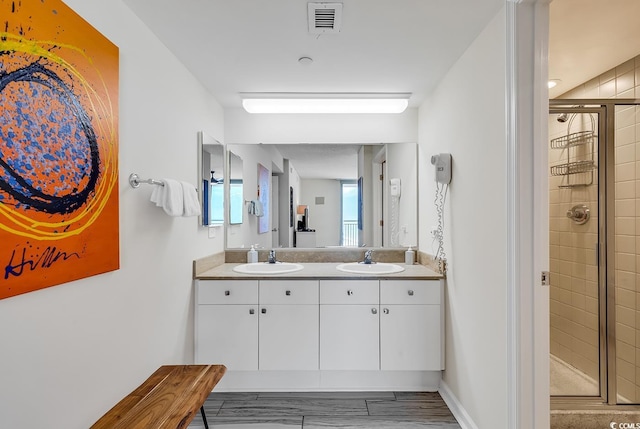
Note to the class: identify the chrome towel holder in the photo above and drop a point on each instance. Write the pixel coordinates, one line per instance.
(135, 181)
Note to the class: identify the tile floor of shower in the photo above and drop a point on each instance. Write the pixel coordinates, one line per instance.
(566, 380)
(313, 410)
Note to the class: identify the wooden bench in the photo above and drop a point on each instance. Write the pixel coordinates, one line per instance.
(170, 398)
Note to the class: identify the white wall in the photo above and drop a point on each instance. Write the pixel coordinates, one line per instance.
(466, 117)
(70, 352)
(243, 127)
(324, 218)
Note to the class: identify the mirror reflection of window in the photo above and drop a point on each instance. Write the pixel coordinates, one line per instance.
(349, 236)
(236, 201)
(216, 209)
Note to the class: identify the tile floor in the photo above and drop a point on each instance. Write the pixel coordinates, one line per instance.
(314, 410)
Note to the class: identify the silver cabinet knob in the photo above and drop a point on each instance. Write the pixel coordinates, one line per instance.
(410, 293)
(227, 293)
(252, 311)
(349, 292)
(385, 311)
(374, 310)
(288, 293)
(263, 311)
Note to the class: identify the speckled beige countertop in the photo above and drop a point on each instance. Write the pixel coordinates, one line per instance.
(319, 271)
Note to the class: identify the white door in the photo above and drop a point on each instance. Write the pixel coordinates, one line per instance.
(289, 337)
(228, 335)
(410, 337)
(349, 337)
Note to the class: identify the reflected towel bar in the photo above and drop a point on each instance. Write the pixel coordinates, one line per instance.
(135, 181)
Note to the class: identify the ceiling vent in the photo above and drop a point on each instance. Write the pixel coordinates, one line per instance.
(324, 18)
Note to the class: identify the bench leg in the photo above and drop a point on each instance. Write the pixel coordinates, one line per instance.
(204, 417)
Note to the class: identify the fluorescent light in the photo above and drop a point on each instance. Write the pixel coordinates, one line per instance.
(325, 103)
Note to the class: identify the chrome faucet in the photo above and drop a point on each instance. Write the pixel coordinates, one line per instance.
(272, 257)
(367, 257)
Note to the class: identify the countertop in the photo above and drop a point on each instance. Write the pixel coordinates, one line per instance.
(320, 271)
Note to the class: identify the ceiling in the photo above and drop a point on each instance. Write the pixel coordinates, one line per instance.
(589, 37)
(326, 161)
(235, 46)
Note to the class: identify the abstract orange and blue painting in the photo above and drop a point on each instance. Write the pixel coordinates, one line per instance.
(58, 147)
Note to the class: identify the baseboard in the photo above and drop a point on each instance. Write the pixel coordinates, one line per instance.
(315, 381)
(461, 415)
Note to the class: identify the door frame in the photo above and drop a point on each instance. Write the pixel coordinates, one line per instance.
(527, 103)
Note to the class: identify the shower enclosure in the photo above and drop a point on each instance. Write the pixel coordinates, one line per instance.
(594, 239)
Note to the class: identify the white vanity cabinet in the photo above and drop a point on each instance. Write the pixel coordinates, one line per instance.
(349, 325)
(227, 323)
(288, 328)
(411, 325)
(327, 333)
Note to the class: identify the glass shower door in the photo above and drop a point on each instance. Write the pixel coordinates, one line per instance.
(626, 163)
(576, 309)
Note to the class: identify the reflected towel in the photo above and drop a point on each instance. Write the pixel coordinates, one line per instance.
(190, 200)
(255, 208)
(169, 197)
(259, 210)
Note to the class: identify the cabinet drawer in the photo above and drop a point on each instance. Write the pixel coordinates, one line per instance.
(410, 292)
(288, 292)
(349, 292)
(227, 292)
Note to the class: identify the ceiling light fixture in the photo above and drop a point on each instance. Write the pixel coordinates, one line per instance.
(270, 102)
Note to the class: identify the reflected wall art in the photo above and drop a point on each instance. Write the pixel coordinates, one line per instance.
(58, 147)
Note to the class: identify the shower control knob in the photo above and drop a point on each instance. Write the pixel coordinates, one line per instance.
(374, 310)
(264, 311)
(227, 293)
(349, 292)
(252, 311)
(385, 311)
(288, 293)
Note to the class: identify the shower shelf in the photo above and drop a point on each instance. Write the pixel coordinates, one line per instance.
(573, 139)
(575, 167)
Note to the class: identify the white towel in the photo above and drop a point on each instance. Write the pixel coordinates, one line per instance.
(169, 197)
(190, 200)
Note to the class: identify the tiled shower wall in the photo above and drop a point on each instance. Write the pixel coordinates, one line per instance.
(568, 334)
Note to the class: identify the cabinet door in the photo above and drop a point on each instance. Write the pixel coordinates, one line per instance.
(289, 337)
(349, 337)
(410, 337)
(228, 335)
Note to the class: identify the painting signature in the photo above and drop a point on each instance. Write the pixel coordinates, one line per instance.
(18, 264)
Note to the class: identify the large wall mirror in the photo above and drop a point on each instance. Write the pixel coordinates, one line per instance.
(211, 180)
(328, 195)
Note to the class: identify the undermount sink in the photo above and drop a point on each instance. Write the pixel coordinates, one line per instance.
(266, 268)
(375, 268)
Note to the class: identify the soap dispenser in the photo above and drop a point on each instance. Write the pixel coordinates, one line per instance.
(409, 256)
(252, 255)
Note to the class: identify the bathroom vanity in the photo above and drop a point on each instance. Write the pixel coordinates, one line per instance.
(321, 329)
